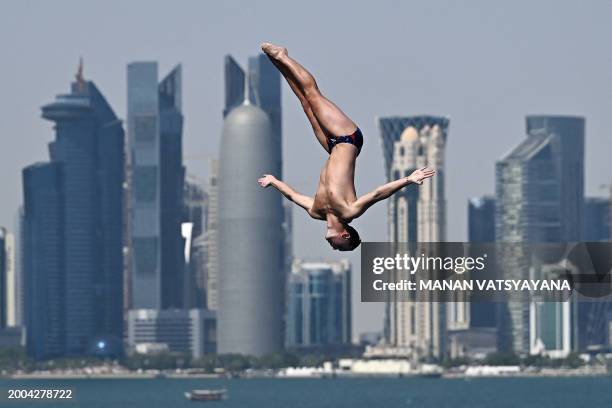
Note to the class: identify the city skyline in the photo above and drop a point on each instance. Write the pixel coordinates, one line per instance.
(531, 74)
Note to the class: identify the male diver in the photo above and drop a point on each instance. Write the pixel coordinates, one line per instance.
(335, 200)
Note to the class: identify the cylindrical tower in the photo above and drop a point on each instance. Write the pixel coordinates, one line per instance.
(251, 281)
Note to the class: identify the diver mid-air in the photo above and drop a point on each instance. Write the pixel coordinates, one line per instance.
(335, 200)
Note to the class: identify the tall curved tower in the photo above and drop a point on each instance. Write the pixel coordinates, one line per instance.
(417, 325)
(251, 279)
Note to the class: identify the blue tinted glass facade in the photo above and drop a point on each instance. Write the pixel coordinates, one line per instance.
(44, 259)
(155, 126)
(318, 310)
(234, 84)
(481, 228)
(596, 225)
(539, 198)
(88, 170)
(172, 179)
(481, 219)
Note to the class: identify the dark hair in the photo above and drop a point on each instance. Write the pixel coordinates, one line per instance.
(354, 239)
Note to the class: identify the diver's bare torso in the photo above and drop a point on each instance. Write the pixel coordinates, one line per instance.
(335, 200)
(336, 191)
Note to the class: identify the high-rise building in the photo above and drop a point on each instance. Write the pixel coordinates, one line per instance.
(8, 276)
(539, 199)
(212, 246)
(416, 215)
(19, 268)
(319, 304)
(44, 256)
(190, 331)
(593, 318)
(154, 126)
(196, 211)
(288, 233)
(250, 235)
(472, 328)
(196, 205)
(596, 221)
(481, 219)
(199, 269)
(234, 84)
(73, 228)
(481, 229)
(3, 279)
(264, 91)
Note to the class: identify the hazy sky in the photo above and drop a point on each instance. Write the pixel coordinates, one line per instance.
(483, 64)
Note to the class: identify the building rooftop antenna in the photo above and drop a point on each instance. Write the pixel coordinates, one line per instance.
(79, 76)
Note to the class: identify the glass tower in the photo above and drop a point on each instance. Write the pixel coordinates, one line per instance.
(73, 227)
(593, 317)
(481, 219)
(155, 124)
(596, 225)
(539, 199)
(319, 305)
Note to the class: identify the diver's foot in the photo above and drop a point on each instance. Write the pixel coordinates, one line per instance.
(274, 51)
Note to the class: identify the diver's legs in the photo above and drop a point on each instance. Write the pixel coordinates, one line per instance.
(330, 118)
(316, 127)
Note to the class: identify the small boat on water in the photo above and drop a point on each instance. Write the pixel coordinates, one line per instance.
(206, 395)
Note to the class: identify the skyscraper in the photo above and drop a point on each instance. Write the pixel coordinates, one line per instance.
(44, 256)
(196, 210)
(234, 77)
(593, 317)
(481, 229)
(264, 90)
(416, 215)
(539, 199)
(212, 245)
(10, 277)
(19, 267)
(472, 327)
(481, 219)
(288, 233)
(319, 304)
(250, 235)
(3, 279)
(73, 227)
(597, 222)
(155, 124)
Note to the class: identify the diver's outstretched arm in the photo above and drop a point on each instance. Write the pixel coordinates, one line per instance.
(300, 199)
(387, 190)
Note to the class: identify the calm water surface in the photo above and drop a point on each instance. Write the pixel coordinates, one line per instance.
(327, 393)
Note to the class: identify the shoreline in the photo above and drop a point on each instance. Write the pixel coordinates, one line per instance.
(151, 376)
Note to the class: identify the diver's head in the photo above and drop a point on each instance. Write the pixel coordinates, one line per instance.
(342, 237)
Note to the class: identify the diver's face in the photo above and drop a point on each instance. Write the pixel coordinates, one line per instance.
(339, 241)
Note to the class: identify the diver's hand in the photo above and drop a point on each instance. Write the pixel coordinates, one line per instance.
(266, 180)
(421, 174)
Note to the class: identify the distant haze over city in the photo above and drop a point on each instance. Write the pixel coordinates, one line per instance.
(484, 66)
